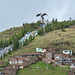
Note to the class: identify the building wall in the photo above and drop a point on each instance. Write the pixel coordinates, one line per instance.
(48, 57)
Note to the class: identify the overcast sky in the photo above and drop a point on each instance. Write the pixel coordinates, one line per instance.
(14, 13)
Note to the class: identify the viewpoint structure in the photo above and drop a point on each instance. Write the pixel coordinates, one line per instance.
(42, 16)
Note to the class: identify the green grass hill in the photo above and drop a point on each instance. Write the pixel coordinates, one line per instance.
(48, 40)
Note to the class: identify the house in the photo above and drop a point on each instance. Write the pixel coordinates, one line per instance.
(72, 66)
(71, 72)
(21, 62)
(17, 56)
(67, 52)
(53, 50)
(2, 73)
(49, 57)
(66, 56)
(11, 70)
(58, 59)
(72, 27)
(62, 43)
(39, 49)
(31, 54)
(50, 52)
(67, 61)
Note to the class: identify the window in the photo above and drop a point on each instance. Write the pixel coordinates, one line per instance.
(14, 66)
(48, 57)
(48, 53)
(10, 62)
(66, 56)
(61, 62)
(63, 44)
(14, 62)
(57, 57)
(58, 62)
(65, 51)
(19, 61)
(60, 56)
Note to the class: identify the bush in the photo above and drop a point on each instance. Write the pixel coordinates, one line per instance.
(5, 54)
(1, 57)
(9, 52)
(41, 31)
(25, 42)
(63, 30)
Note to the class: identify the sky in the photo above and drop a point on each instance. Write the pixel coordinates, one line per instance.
(14, 13)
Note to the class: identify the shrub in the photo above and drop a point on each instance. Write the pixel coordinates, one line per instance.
(63, 30)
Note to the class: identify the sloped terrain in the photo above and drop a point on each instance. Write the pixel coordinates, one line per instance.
(48, 40)
(41, 70)
(9, 32)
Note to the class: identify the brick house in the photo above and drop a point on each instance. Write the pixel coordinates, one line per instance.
(67, 61)
(58, 59)
(21, 62)
(66, 56)
(2, 73)
(49, 57)
(53, 50)
(73, 64)
(72, 27)
(62, 43)
(50, 52)
(71, 72)
(11, 70)
(31, 54)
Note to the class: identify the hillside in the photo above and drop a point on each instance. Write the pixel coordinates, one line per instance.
(31, 70)
(48, 40)
(10, 32)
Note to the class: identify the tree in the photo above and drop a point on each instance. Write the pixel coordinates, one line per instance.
(47, 28)
(33, 37)
(15, 43)
(38, 23)
(1, 57)
(25, 42)
(10, 41)
(9, 52)
(5, 54)
(30, 38)
(41, 31)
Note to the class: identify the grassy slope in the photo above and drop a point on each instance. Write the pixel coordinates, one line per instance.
(9, 32)
(47, 41)
(31, 70)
